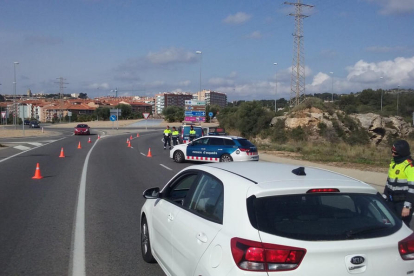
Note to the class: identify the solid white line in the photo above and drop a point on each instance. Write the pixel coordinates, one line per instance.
(2, 160)
(165, 167)
(78, 257)
(143, 154)
(22, 148)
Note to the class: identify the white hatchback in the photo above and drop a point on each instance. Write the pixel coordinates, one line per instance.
(272, 219)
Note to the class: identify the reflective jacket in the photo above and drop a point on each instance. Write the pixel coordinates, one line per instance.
(175, 134)
(167, 132)
(400, 183)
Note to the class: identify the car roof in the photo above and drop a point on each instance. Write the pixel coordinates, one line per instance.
(223, 136)
(275, 176)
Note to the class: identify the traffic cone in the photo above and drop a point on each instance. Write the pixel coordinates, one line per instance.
(61, 153)
(79, 146)
(149, 153)
(129, 144)
(99, 137)
(130, 138)
(127, 140)
(137, 134)
(89, 141)
(37, 173)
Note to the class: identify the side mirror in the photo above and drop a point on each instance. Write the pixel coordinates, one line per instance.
(151, 193)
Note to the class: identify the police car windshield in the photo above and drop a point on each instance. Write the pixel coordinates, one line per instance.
(197, 130)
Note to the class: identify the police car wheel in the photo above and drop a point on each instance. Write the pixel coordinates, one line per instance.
(178, 156)
(226, 158)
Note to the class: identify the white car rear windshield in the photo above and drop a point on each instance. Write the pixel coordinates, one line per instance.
(323, 216)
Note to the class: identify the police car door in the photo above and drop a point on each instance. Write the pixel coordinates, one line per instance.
(196, 150)
(216, 147)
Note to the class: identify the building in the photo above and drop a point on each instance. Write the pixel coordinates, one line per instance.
(213, 98)
(167, 99)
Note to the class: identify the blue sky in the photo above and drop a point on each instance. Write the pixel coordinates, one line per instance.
(146, 47)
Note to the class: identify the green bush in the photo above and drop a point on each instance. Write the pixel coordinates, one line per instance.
(298, 134)
(322, 128)
(279, 134)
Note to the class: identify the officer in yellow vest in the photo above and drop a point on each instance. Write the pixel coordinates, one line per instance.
(175, 136)
(192, 134)
(399, 191)
(167, 137)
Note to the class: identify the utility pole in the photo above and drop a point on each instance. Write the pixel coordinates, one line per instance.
(297, 83)
(61, 83)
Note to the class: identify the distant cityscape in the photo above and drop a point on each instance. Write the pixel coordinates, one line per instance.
(45, 108)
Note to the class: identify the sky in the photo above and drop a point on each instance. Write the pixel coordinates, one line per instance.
(144, 47)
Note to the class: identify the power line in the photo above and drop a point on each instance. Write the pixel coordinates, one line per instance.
(297, 82)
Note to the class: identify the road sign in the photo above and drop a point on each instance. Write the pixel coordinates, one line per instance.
(195, 119)
(145, 115)
(69, 114)
(195, 108)
(210, 114)
(112, 118)
(3, 114)
(194, 113)
(192, 102)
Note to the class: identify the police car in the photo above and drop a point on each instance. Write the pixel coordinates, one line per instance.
(216, 149)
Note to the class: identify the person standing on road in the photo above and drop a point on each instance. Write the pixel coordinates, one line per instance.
(399, 191)
(175, 135)
(167, 137)
(192, 134)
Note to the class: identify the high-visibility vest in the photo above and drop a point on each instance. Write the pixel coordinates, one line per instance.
(175, 133)
(167, 132)
(400, 183)
(192, 132)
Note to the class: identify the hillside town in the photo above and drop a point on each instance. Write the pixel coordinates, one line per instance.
(44, 108)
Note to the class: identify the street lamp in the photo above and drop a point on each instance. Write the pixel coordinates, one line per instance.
(14, 99)
(275, 86)
(382, 90)
(332, 84)
(201, 59)
(398, 95)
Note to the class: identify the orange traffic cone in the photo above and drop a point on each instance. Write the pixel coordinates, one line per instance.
(99, 137)
(149, 153)
(137, 134)
(129, 144)
(37, 173)
(61, 153)
(130, 138)
(79, 146)
(127, 140)
(89, 141)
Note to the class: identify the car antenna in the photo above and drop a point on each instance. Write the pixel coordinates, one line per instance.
(299, 171)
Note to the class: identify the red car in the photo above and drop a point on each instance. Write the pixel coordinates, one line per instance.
(82, 129)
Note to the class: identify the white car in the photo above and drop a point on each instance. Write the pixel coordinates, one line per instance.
(271, 219)
(215, 149)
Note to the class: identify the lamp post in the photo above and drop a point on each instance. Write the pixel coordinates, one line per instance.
(381, 93)
(14, 99)
(275, 86)
(201, 59)
(398, 95)
(332, 84)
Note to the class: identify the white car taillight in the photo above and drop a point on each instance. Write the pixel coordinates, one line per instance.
(258, 256)
(406, 248)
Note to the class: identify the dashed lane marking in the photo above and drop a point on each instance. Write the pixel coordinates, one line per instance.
(143, 154)
(23, 148)
(165, 167)
(35, 144)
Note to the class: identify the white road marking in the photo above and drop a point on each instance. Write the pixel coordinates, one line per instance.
(22, 148)
(165, 167)
(2, 160)
(35, 144)
(143, 154)
(78, 252)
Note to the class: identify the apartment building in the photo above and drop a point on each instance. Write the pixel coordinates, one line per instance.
(212, 97)
(166, 99)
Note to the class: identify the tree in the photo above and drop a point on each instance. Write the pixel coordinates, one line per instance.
(126, 110)
(1, 98)
(173, 114)
(102, 113)
(83, 96)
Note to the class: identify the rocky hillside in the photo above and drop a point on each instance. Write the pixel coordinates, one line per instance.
(322, 125)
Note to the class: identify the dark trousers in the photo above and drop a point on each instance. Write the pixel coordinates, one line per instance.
(167, 139)
(175, 141)
(397, 208)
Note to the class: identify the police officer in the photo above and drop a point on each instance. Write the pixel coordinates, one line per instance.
(167, 137)
(192, 134)
(175, 135)
(399, 191)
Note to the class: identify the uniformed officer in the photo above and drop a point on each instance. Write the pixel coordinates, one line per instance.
(167, 137)
(399, 191)
(192, 134)
(175, 136)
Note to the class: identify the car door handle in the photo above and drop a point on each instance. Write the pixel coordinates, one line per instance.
(202, 237)
(170, 217)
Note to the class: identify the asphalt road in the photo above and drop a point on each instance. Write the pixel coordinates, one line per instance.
(38, 217)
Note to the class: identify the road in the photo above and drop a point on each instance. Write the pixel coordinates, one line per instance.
(38, 216)
(82, 218)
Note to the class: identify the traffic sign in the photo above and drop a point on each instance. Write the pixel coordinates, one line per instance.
(145, 115)
(194, 113)
(195, 119)
(112, 118)
(3, 114)
(195, 108)
(210, 114)
(192, 102)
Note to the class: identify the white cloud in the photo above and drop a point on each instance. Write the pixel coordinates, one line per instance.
(320, 78)
(395, 6)
(184, 83)
(171, 56)
(254, 35)
(237, 18)
(220, 82)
